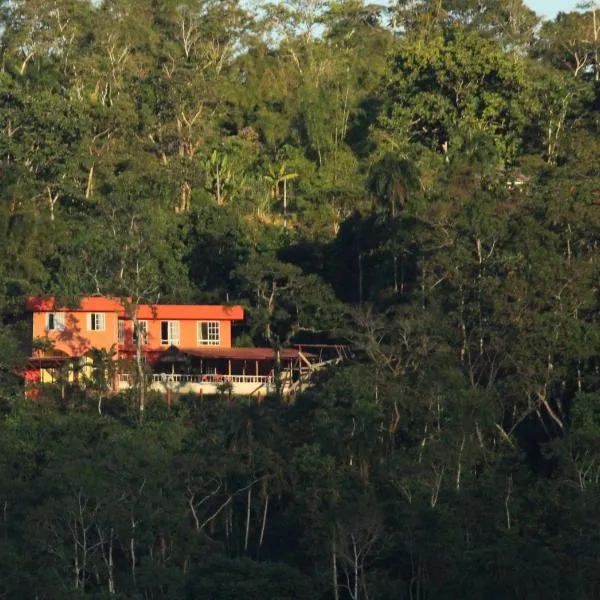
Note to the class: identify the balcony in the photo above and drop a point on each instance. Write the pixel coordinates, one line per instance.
(243, 385)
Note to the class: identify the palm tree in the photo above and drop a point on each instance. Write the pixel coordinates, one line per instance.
(104, 371)
(391, 180)
(276, 178)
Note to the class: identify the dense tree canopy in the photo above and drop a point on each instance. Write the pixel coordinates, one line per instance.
(418, 181)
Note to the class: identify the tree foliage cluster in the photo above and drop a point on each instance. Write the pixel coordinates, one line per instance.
(419, 181)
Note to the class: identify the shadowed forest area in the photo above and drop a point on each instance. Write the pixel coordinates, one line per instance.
(419, 182)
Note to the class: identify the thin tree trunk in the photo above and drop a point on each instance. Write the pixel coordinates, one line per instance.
(285, 202)
(90, 183)
(76, 562)
(334, 571)
(219, 201)
(83, 557)
(459, 467)
(248, 502)
(355, 567)
(596, 72)
(132, 551)
(111, 576)
(139, 361)
(24, 63)
(52, 199)
(264, 521)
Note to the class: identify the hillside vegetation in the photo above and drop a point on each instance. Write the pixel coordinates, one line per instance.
(419, 182)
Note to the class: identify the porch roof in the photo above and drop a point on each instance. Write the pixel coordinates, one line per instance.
(237, 353)
(49, 362)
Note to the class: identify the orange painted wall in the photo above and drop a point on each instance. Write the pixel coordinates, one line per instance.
(75, 339)
(187, 334)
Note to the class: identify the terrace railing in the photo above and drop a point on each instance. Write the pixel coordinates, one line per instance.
(213, 378)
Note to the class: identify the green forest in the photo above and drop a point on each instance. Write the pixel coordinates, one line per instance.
(418, 181)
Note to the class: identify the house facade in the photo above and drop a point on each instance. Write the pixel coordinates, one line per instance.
(186, 348)
(105, 323)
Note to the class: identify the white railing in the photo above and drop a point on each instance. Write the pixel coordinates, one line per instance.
(213, 378)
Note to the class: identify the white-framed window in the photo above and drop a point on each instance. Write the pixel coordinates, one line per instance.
(121, 331)
(169, 333)
(142, 330)
(96, 322)
(55, 321)
(208, 333)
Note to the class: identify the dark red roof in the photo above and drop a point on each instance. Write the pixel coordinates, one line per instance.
(49, 362)
(241, 353)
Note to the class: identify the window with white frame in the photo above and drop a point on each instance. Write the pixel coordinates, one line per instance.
(121, 331)
(96, 322)
(209, 333)
(169, 333)
(141, 330)
(55, 321)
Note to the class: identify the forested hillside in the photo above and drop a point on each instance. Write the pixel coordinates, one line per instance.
(418, 181)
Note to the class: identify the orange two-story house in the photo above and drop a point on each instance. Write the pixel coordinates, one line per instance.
(197, 336)
(102, 323)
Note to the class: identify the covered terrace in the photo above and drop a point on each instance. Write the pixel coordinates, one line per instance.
(248, 370)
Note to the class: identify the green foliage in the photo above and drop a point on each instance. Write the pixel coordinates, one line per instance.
(231, 579)
(419, 183)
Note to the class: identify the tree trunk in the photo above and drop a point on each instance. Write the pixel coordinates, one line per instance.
(132, 551)
(218, 178)
(264, 522)
(90, 183)
(111, 576)
(247, 533)
(285, 202)
(76, 562)
(139, 361)
(334, 571)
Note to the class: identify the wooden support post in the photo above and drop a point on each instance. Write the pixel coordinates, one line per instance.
(229, 367)
(257, 368)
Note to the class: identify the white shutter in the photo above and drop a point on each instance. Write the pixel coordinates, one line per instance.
(143, 331)
(174, 333)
